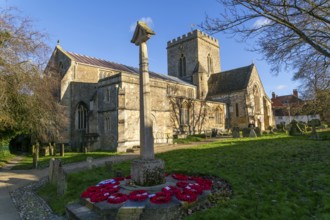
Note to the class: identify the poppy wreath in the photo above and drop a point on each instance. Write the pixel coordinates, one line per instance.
(186, 195)
(170, 189)
(182, 184)
(205, 184)
(161, 198)
(111, 189)
(138, 195)
(86, 194)
(178, 176)
(195, 188)
(117, 198)
(128, 177)
(99, 197)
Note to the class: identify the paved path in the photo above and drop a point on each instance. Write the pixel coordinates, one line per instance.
(13, 179)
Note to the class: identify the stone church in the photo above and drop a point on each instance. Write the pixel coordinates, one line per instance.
(101, 98)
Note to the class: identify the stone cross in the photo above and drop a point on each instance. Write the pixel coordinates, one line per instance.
(141, 35)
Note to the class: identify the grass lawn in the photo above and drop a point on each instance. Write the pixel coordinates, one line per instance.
(189, 139)
(69, 157)
(273, 177)
(5, 158)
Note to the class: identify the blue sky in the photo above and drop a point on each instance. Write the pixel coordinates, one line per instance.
(103, 29)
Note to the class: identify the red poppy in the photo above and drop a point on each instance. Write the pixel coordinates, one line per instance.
(187, 196)
(138, 195)
(170, 189)
(182, 184)
(117, 198)
(161, 198)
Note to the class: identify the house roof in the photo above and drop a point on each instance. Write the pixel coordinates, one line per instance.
(280, 101)
(111, 65)
(230, 81)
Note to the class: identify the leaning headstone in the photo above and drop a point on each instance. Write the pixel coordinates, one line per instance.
(294, 128)
(61, 182)
(55, 167)
(89, 162)
(252, 133)
(235, 132)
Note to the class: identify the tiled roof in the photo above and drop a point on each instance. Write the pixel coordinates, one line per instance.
(107, 64)
(279, 101)
(229, 81)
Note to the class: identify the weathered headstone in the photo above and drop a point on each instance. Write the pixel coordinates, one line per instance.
(294, 128)
(89, 161)
(235, 132)
(314, 134)
(147, 170)
(54, 170)
(252, 133)
(62, 182)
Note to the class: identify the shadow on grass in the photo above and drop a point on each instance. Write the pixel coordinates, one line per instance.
(69, 157)
(272, 177)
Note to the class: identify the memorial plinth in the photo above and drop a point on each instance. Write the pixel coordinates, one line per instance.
(147, 170)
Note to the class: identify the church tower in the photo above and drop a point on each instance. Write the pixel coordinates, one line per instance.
(194, 58)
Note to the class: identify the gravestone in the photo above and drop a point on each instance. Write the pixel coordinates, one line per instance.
(294, 128)
(235, 132)
(314, 134)
(252, 133)
(147, 170)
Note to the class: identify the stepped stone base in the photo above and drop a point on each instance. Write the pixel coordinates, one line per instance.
(86, 210)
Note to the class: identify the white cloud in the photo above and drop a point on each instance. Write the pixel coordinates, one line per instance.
(261, 22)
(146, 20)
(281, 87)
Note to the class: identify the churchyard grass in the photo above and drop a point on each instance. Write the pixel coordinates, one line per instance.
(69, 157)
(189, 139)
(272, 177)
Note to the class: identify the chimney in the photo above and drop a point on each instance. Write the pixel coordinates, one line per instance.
(295, 92)
(273, 95)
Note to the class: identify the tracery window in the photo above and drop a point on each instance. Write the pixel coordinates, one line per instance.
(184, 115)
(81, 117)
(182, 66)
(209, 64)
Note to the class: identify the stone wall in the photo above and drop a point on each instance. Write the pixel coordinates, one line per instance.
(195, 46)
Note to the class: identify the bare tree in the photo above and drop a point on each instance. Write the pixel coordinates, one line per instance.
(197, 112)
(27, 101)
(291, 34)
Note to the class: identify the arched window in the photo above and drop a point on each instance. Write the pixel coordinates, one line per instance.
(184, 114)
(107, 123)
(182, 66)
(107, 95)
(256, 96)
(81, 117)
(209, 64)
(218, 117)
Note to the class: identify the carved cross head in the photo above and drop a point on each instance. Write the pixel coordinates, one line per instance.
(142, 33)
